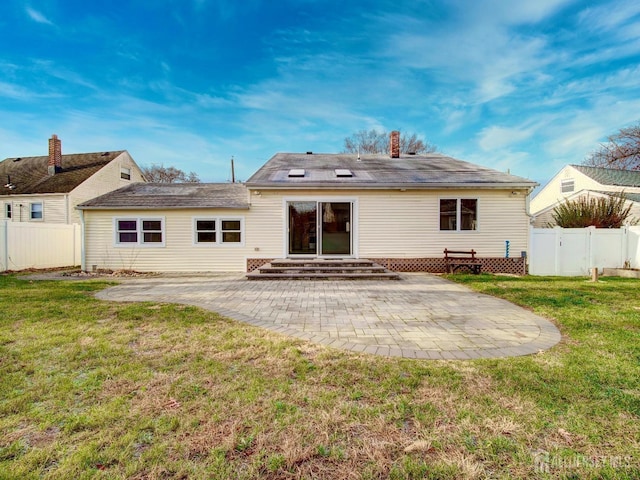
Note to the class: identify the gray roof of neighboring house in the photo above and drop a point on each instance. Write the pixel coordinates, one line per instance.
(611, 176)
(155, 196)
(30, 175)
(634, 197)
(379, 171)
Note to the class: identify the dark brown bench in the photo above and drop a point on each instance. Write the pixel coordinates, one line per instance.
(456, 259)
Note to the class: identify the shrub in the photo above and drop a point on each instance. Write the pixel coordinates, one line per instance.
(601, 212)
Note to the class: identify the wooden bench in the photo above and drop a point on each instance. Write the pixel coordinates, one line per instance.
(456, 259)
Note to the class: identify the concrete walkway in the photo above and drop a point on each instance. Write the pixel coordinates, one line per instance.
(419, 316)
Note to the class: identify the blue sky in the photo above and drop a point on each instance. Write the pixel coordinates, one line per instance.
(527, 86)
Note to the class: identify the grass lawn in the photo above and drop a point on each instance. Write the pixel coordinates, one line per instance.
(90, 389)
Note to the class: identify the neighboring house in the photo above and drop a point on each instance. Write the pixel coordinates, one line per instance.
(48, 188)
(576, 181)
(402, 211)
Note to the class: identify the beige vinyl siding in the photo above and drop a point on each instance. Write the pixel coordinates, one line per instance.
(53, 207)
(401, 224)
(179, 253)
(103, 181)
(265, 224)
(407, 224)
(387, 223)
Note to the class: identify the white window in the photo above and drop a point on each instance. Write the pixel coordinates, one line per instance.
(218, 231)
(125, 173)
(139, 231)
(35, 211)
(206, 230)
(7, 210)
(567, 186)
(458, 214)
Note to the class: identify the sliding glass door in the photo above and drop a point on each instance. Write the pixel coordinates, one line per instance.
(319, 228)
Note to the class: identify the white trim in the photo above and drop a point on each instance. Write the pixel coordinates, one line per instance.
(218, 231)
(318, 199)
(139, 232)
(459, 199)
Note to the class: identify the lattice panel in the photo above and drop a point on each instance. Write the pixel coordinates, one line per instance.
(253, 263)
(514, 266)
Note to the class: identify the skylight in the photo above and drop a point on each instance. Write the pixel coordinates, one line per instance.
(296, 172)
(343, 172)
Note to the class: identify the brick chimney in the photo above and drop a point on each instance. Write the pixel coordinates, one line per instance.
(55, 155)
(394, 144)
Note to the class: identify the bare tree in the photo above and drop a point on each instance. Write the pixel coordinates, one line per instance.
(373, 141)
(161, 174)
(622, 151)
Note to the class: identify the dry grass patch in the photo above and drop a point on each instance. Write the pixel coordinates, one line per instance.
(154, 391)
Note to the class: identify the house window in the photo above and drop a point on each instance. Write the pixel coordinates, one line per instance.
(231, 231)
(567, 186)
(126, 231)
(458, 214)
(35, 211)
(125, 173)
(7, 210)
(206, 231)
(139, 231)
(151, 231)
(216, 231)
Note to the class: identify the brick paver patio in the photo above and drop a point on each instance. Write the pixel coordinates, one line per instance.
(419, 316)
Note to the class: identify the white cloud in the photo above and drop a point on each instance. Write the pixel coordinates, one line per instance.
(494, 137)
(37, 16)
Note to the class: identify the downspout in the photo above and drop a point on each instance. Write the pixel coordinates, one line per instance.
(527, 208)
(83, 263)
(66, 208)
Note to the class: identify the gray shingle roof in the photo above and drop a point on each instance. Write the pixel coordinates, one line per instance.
(30, 174)
(154, 196)
(634, 197)
(611, 176)
(379, 171)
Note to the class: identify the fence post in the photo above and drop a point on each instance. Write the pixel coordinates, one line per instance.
(590, 231)
(624, 247)
(4, 241)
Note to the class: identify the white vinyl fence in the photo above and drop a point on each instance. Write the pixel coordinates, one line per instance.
(38, 245)
(575, 251)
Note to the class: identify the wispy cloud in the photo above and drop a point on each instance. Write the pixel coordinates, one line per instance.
(37, 16)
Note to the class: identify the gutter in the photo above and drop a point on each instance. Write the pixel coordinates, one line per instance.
(160, 207)
(390, 186)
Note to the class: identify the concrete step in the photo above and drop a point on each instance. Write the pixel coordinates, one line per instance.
(323, 262)
(322, 269)
(322, 276)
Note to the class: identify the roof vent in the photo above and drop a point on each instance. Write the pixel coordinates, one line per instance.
(105, 154)
(412, 153)
(343, 172)
(17, 159)
(309, 153)
(296, 172)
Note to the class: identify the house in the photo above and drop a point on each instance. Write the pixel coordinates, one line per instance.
(48, 188)
(401, 210)
(576, 181)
